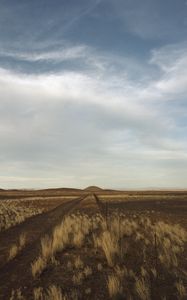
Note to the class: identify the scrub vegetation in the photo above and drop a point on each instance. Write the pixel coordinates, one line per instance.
(13, 212)
(104, 250)
(137, 254)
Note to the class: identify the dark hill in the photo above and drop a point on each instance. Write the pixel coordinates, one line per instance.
(93, 188)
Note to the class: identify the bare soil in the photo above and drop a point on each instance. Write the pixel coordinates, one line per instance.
(168, 206)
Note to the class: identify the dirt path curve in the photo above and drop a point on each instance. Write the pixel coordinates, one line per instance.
(17, 272)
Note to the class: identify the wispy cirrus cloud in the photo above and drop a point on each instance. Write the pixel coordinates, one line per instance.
(65, 54)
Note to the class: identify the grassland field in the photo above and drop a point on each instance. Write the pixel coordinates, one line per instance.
(58, 244)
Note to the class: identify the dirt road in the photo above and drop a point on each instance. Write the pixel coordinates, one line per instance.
(17, 272)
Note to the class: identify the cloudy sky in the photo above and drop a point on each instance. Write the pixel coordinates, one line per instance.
(93, 92)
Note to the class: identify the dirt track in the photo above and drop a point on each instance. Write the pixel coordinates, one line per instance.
(17, 272)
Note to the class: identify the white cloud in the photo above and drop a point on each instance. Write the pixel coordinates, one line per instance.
(65, 54)
(173, 62)
(95, 123)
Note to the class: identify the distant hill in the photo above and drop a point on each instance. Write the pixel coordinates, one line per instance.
(61, 190)
(93, 189)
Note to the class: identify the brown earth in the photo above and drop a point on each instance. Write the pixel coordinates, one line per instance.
(166, 205)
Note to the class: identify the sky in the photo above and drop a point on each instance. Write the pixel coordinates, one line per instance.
(93, 92)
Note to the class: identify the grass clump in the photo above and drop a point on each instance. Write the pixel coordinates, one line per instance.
(16, 248)
(114, 286)
(38, 266)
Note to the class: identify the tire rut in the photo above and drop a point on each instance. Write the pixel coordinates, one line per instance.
(17, 272)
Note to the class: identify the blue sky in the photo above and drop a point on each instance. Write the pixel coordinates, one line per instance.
(93, 92)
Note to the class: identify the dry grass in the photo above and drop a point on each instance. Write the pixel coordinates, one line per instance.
(87, 271)
(78, 278)
(54, 293)
(17, 295)
(135, 251)
(22, 240)
(114, 287)
(46, 247)
(181, 290)
(38, 266)
(13, 252)
(99, 267)
(78, 263)
(107, 242)
(12, 213)
(38, 293)
(142, 289)
(16, 248)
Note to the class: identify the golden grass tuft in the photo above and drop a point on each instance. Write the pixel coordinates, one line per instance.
(142, 289)
(113, 284)
(38, 266)
(78, 278)
(46, 246)
(107, 242)
(87, 271)
(38, 293)
(22, 240)
(16, 248)
(78, 263)
(54, 293)
(17, 295)
(99, 267)
(13, 252)
(181, 290)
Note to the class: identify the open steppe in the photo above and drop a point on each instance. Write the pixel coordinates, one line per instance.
(93, 244)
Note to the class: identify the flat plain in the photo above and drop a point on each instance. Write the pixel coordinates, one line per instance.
(58, 244)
